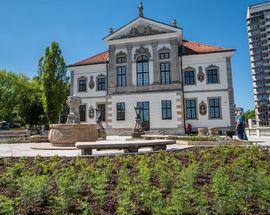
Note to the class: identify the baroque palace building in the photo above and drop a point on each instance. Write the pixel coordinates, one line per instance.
(149, 64)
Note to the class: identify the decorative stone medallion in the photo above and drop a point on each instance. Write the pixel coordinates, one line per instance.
(203, 108)
(142, 51)
(91, 112)
(91, 83)
(200, 75)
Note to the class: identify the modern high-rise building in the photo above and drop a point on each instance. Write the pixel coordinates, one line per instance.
(258, 26)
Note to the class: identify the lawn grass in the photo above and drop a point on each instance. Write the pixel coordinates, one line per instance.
(218, 180)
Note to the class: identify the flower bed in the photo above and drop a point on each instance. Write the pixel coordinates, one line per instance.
(218, 180)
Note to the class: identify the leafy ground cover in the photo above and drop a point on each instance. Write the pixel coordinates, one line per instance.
(218, 180)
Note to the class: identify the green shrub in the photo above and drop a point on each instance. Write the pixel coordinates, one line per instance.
(69, 186)
(6, 205)
(34, 190)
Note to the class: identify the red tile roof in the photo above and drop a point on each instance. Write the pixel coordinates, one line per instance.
(188, 48)
(97, 59)
(191, 48)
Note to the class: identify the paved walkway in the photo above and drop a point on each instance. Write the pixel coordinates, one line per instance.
(24, 149)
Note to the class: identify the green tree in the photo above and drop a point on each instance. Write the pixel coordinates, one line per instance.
(13, 89)
(54, 82)
(250, 114)
(30, 107)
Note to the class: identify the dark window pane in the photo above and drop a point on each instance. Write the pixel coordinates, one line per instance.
(82, 110)
(142, 71)
(121, 76)
(82, 85)
(191, 109)
(164, 55)
(101, 84)
(165, 73)
(120, 111)
(121, 59)
(189, 77)
(214, 108)
(166, 109)
(212, 76)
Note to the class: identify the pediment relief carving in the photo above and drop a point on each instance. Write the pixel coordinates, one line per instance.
(142, 51)
(140, 31)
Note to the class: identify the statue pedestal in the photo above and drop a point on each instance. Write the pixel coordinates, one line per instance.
(101, 133)
(69, 134)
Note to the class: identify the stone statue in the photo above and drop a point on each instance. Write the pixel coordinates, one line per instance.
(100, 129)
(73, 103)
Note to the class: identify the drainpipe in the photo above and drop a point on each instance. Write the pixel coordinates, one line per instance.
(182, 82)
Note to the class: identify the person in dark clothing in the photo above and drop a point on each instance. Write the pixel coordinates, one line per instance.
(240, 126)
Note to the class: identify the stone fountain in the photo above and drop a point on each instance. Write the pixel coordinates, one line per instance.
(73, 131)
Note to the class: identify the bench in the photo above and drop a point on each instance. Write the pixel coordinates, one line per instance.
(128, 146)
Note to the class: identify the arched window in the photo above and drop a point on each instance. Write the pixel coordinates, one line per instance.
(142, 70)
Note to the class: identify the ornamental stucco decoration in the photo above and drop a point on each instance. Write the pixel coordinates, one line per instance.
(140, 31)
(91, 83)
(121, 53)
(200, 75)
(203, 108)
(142, 51)
(91, 112)
(164, 49)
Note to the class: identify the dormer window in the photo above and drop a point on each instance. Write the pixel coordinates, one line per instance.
(82, 82)
(164, 55)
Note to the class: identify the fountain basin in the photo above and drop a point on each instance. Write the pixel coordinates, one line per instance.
(69, 134)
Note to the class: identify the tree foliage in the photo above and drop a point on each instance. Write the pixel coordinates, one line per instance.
(20, 99)
(54, 82)
(250, 114)
(12, 91)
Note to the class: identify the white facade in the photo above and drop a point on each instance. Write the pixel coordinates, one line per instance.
(167, 109)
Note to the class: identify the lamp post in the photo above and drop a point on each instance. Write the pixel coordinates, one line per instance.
(138, 129)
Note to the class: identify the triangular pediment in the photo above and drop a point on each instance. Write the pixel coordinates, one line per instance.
(142, 27)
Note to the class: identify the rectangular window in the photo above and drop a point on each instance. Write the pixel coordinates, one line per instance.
(165, 73)
(82, 85)
(82, 110)
(164, 55)
(166, 106)
(121, 76)
(212, 76)
(120, 111)
(214, 108)
(191, 109)
(189, 77)
(101, 85)
(120, 60)
(103, 110)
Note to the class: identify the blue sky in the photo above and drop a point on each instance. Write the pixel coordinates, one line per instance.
(27, 27)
